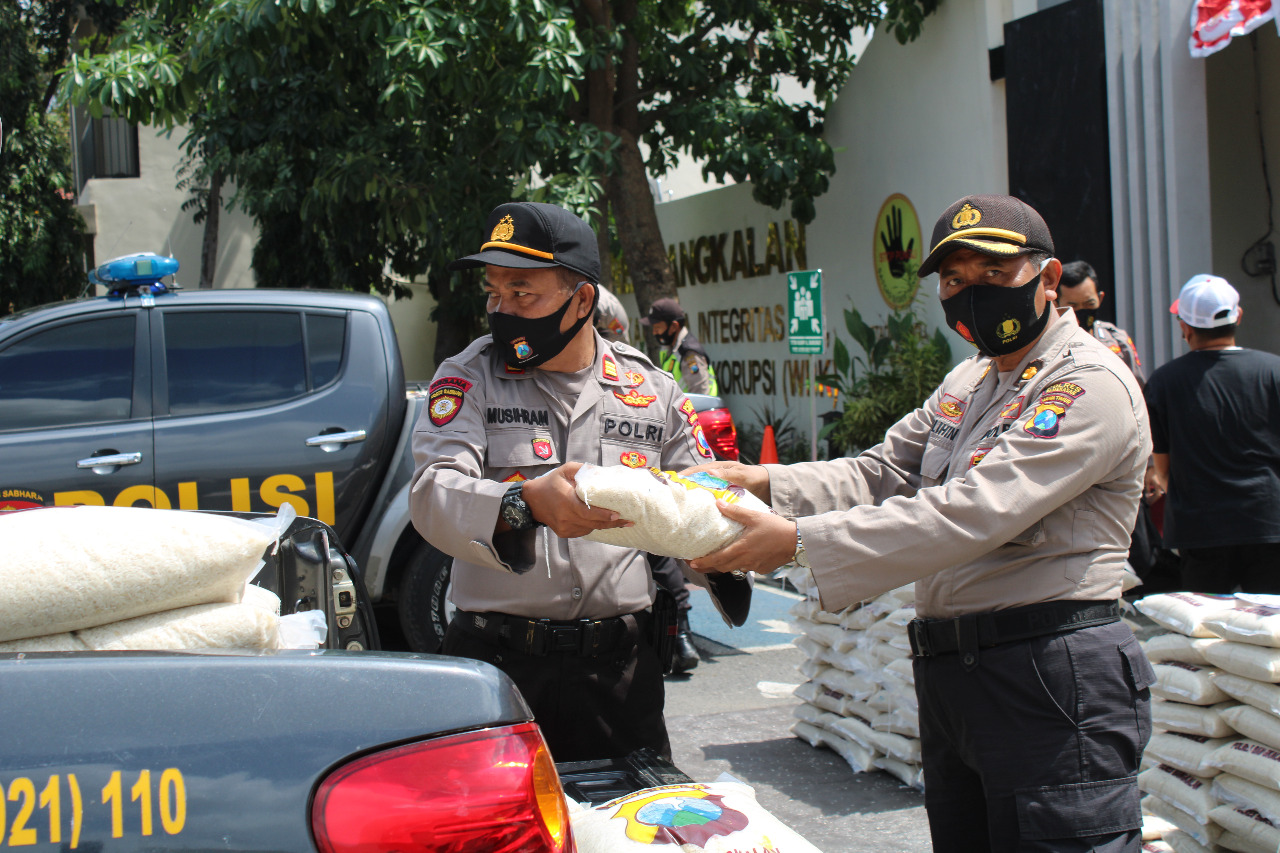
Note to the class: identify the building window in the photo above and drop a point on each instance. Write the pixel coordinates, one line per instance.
(107, 147)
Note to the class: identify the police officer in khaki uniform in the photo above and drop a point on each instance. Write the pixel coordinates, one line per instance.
(682, 354)
(1008, 498)
(507, 424)
(1079, 291)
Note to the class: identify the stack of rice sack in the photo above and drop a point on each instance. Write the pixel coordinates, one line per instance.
(103, 578)
(859, 697)
(1212, 768)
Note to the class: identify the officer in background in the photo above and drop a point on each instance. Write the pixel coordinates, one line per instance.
(507, 424)
(682, 355)
(612, 324)
(1008, 498)
(1079, 291)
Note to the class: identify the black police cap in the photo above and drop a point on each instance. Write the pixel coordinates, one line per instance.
(533, 235)
(997, 225)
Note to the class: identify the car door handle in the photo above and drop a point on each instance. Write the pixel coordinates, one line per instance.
(96, 462)
(333, 441)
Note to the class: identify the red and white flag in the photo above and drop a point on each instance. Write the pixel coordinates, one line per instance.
(1216, 22)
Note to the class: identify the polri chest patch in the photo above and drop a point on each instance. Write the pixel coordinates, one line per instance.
(635, 399)
(951, 408)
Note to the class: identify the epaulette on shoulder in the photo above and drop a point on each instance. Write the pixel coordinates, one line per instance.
(620, 348)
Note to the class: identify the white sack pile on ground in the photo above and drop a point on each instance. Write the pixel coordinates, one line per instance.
(107, 578)
(1212, 768)
(859, 698)
(673, 515)
(720, 817)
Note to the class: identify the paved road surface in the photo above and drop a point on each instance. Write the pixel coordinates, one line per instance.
(733, 714)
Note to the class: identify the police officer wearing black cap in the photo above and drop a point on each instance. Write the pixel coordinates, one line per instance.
(507, 424)
(1007, 498)
(682, 354)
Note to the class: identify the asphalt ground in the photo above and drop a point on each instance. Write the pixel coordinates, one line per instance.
(733, 714)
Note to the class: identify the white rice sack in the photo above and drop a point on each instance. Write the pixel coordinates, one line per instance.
(811, 714)
(1204, 832)
(831, 636)
(903, 668)
(1254, 724)
(306, 629)
(887, 653)
(847, 683)
(807, 732)
(809, 609)
(717, 817)
(899, 597)
(860, 618)
(1258, 624)
(1189, 793)
(1155, 827)
(857, 660)
(911, 775)
(261, 597)
(900, 721)
(1257, 662)
(203, 626)
(1250, 760)
(1246, 830)
(1230, 789)
(896, 746)
(65, 642)
(858, 757)
(894, 624)
(1181, 842)
(824, 698)
(1184, 612)
(1191, 719)
(1259, 694)
(851, 707)
(812, 649)
(673, 515)
(66, 568)
(1185, 682)
(1176, 647)
(855, 730)
(1185, 752)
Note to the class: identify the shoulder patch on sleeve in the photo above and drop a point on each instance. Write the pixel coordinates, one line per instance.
(1050, 408)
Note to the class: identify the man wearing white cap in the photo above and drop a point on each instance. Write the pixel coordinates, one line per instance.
(1216, 435)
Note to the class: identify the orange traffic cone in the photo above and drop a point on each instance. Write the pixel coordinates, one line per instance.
(768, 447)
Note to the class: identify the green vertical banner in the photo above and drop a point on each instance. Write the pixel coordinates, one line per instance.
(804, 312)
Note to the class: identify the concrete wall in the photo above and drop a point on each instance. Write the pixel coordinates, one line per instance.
(1238, 200)
(144, 214)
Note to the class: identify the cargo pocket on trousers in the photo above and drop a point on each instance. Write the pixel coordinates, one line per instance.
(1141, 676)
(1079, 810)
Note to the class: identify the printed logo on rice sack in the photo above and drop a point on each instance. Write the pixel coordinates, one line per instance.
(1185, 778)
(722, 489)
(681, 814)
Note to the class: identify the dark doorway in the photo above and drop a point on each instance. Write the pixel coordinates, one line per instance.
(1056, 110)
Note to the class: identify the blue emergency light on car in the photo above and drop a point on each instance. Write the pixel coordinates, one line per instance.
(141, 272)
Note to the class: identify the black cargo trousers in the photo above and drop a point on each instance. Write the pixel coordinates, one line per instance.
(1034, 745)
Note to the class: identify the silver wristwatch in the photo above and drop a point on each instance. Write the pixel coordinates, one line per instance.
(800, 559)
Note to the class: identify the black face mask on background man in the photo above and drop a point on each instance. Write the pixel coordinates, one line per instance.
(1086, 317)
(997, 320)
(532, 341)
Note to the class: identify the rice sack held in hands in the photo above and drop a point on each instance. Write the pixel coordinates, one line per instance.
(1008, 497)
(507, 424)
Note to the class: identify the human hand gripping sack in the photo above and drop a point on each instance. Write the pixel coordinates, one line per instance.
(767, 542)
(552, 501)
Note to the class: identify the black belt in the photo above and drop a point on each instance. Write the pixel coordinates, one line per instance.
(983, 630)
(585, 637)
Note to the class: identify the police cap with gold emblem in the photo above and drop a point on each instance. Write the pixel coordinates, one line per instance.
(532, 235)
(998, 225)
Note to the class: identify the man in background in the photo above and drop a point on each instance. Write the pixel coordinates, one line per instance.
(1215, 427)
(1079, 290)
(682, 355)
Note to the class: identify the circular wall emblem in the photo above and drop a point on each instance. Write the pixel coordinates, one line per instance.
(897, 250)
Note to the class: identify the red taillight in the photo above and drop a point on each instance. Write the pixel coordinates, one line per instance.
(722, 435)
(494, 791)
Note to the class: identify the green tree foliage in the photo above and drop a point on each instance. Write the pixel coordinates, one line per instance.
(901, 364)
(359, 132)
(40, 231)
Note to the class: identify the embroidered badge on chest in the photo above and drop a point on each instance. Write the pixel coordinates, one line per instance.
(608, 368)
(1051, 407)
(978, 455)
(542, 448)
(951, 408)
(632, 459)
(517, 477)
(636, 399)
(634, 378)
(1013, 408)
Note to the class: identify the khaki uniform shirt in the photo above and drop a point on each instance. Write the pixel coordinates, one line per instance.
(1001, 491)
(486, 425)
(1118, 341)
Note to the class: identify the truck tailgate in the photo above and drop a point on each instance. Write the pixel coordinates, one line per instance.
(176, 751)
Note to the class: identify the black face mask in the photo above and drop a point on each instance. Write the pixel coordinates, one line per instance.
(996, 320)
(1086, 317)
(532, 341)
(667, 338)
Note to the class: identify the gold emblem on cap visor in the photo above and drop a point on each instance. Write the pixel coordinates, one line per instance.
(1008, 330)
(967, 217)
(504, 230)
